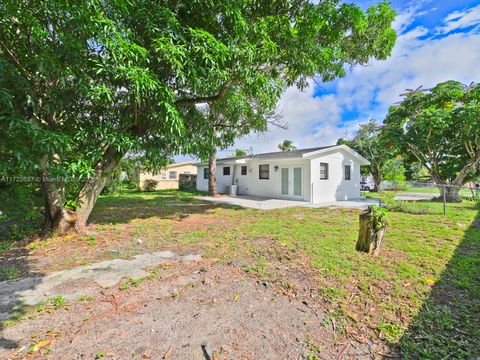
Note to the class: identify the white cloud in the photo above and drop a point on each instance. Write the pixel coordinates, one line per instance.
(414, 62)
(303, 113)
(419, 59)
(412, 12)
(458, 20)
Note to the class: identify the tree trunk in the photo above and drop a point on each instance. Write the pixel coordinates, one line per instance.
(57, 218)
(377, 179)
(93, 187)
(369, 240)
(212, 175)
(451, 193)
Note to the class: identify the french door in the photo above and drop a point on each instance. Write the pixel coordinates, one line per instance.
(292, 181)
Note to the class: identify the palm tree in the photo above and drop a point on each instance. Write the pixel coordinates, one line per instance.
(239, 153)
(287, 145)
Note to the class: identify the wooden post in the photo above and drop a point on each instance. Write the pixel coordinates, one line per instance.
(369, 239)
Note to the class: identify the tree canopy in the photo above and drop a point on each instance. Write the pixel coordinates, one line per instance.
(287, 145)
(370, 143)
(82, 84)
(440, 128)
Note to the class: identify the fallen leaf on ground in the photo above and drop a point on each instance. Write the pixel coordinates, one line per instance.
(39, 345)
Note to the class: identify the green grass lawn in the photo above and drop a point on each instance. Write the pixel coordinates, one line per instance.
(408, 297)
(421, 297)
(433, 190)
(426, 190)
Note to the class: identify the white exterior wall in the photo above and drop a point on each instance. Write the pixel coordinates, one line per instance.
(251, 184)
(222, 180)
(336, 187)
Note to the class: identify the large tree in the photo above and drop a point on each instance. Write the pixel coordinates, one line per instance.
(440, 128)
(369, 142)
(83, 83)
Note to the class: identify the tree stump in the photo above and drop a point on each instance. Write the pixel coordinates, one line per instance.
(369, 238)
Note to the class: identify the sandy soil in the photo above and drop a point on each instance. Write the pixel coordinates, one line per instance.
(193, 311)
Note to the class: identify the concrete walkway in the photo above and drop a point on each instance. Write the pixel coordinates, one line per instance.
(415, 196)
(73, 283)
(261, 203)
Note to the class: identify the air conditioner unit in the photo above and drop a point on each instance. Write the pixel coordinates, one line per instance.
(231, 190)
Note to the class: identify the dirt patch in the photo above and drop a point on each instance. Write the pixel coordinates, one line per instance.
(105, 242)
(193, 312)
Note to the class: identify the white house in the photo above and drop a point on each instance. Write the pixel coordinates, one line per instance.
(317, 174)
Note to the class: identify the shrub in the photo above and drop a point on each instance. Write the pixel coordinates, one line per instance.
(149, 185)
(379, 216)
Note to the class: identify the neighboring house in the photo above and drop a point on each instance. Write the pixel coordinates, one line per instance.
(168, 177)
(317, 174)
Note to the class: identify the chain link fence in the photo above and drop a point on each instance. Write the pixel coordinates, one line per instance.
(429, 198)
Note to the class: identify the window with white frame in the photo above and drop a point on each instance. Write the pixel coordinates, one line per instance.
(243, 170)
(172, 175)
(226, 170)
(323, 171)
(348, 171)
(264, 172)
(206, 174)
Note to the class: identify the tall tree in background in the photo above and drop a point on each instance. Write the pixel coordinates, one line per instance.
(239, 153)
(287, 145)
(82, 84)
(440, 128)
(369, 142)
(394, 170)
(232, 117)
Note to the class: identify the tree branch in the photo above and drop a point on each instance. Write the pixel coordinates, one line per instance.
(206, 99)
(15, 61)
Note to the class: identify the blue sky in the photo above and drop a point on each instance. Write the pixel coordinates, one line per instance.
(437, 41)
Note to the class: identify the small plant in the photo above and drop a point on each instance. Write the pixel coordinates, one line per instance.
(125, 286)
(90, 240)
(315, 350)
(9, 273)
(58, 301)
(379, 217)
(85, 298)
(392, 332)
(150, 185)
(477, 202)
(71, 205)
(99, 355)
(33, 246)
(5, 245)
(137, 281)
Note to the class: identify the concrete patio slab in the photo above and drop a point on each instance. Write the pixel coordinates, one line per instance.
(263, 203)
(34, 290)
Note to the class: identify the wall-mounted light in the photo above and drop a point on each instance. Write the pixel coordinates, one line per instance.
(275, 168)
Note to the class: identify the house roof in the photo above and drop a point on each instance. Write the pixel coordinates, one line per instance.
(174, 165)
(293, 154)
(279, 154)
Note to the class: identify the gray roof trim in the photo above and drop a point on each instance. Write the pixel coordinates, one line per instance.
(294, 154)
